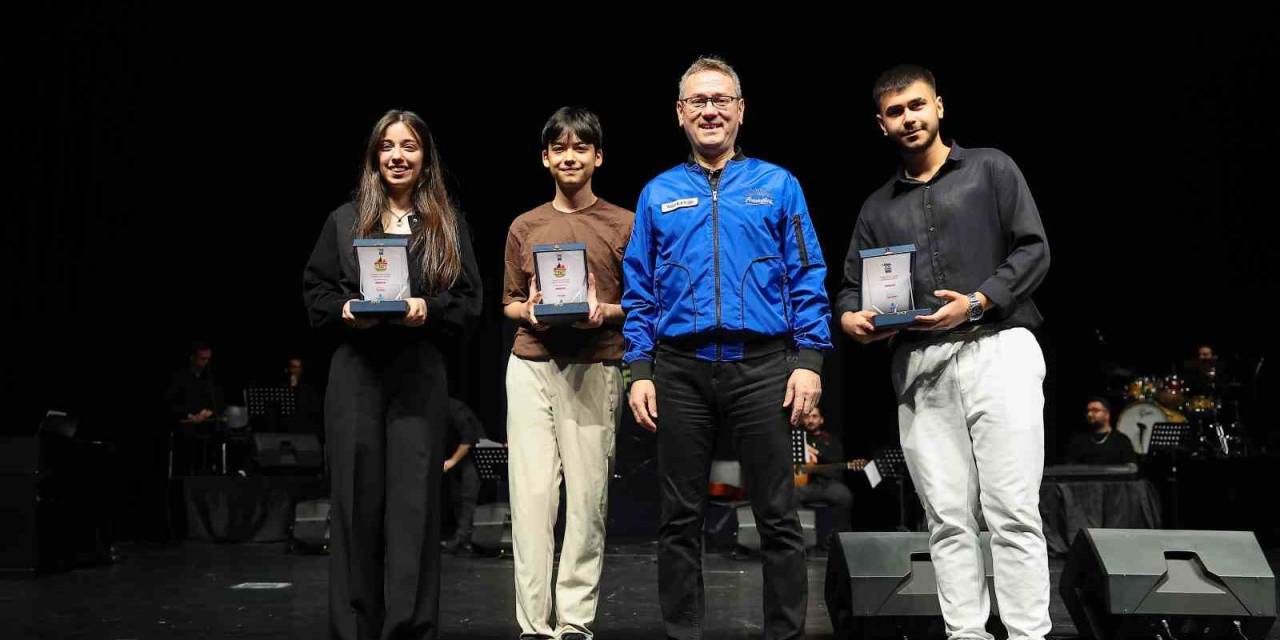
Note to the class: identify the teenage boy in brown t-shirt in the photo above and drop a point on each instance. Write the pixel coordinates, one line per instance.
(563, 388)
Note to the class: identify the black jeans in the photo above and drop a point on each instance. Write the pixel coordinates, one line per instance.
(385, 413)
(696, 398)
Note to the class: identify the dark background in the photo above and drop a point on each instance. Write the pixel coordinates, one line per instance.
(170, 183)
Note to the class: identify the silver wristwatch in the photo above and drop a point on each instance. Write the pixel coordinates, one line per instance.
(975, 308)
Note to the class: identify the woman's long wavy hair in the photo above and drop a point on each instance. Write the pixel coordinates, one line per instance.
(436, 234)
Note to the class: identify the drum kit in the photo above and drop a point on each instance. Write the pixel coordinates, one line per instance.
(1197, 402)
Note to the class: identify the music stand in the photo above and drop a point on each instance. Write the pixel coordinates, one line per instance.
(491, 462)
(1171, 437)
(261, 401)
(892, 464)
(799, 438)
(267, 408)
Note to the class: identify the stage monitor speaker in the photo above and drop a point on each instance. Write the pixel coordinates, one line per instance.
(54, 500)
(288, 452)
(882, 585)
(492, 528)
(19, 455)
(19, 543)
(1140, 583)
(52, 523)
(311, 525)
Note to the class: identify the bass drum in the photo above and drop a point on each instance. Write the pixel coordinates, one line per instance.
(1137, 419)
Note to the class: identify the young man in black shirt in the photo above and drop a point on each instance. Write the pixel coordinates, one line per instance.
(969, 376)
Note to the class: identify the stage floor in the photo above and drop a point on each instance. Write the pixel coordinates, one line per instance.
(185, 591)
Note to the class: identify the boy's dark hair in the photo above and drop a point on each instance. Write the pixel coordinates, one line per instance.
(577, 120)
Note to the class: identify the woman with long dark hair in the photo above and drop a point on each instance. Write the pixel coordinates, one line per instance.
(387, 401)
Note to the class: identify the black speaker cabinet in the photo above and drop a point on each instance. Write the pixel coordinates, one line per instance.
(882, 585)
(288, 452)
(310, 530)
(1137, 583)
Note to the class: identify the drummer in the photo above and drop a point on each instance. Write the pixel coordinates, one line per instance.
(1099, 443)
(1203, 371)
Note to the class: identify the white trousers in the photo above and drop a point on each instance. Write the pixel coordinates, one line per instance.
(971, 422)
(561, 424)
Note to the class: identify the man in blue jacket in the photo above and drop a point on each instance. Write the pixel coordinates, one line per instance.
(727, 322)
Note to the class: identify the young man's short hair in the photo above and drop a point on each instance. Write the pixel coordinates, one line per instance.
(900, 77)
(576, 120)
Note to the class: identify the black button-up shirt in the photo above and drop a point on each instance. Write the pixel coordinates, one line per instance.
(975, 227)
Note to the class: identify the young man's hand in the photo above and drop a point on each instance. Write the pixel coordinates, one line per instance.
(527, 314)
(596, 316)
(857, 325)
(952, 314)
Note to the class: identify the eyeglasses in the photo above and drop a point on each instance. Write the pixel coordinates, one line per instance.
(701, 102)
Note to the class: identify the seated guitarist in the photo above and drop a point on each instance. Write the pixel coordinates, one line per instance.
(825, 484)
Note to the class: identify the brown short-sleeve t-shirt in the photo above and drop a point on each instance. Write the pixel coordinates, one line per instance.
(605, 229)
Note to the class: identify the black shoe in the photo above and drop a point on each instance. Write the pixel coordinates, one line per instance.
(575, 635)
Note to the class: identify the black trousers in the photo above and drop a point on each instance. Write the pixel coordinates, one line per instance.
(464, 492)
(696, 398)
(385, 418)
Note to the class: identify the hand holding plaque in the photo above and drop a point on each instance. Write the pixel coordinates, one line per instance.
(535, 298)
(886, 286)
(384, 278)
(561, 271)
(595, 317)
